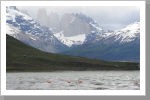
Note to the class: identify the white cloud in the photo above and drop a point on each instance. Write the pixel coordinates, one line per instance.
(109, 17)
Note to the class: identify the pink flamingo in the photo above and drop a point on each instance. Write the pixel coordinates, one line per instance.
(69, 81)
(48, 81)
(136, 82)
(79, 81)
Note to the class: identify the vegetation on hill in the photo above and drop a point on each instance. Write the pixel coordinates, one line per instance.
(114, 52)
(22, 58)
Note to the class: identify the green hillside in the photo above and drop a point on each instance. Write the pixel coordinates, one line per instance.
(21, 57)
(120, 52)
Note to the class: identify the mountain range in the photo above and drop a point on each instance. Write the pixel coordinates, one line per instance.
(74, 34)
(24, 58)
(27, 30)
(119, 45)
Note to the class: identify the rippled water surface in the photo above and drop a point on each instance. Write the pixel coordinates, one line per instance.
(68, 80)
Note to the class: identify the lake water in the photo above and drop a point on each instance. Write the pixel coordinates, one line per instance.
(91, 80)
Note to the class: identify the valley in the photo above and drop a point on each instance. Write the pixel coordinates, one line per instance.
(62, 43)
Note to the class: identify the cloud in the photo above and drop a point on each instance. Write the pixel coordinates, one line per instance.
(109, 17)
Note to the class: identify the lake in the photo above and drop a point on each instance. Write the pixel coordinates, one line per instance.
(68, 80)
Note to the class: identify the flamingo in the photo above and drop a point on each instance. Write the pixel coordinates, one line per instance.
(69, 81)
(79, 81)
(48, 81)
(136, 82)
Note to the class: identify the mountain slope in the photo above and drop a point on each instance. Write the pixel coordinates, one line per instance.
(127, 34)
(122, 52)
(120, 45)
(77, 24)
(36, 35)
(75, 28)
(21, 57)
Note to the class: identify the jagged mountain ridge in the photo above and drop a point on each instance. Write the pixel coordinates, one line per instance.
(77, 24)
(30, 29)
(127, 34)
(69, 26)
(111, 46)
(119, 45)
(96, 33)
(75, 28)
(50, 20)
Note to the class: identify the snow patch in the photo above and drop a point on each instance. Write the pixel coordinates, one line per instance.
(92, 31)
(32, 38)
(96, 26)
(130, 32)
(127, 34)
(77, 37)
(106, 34)
(10, 17)
(70, 41)
(13, 13)
(73, 19)
(11, 29)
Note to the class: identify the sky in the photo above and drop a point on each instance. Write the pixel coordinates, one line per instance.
(108, 17)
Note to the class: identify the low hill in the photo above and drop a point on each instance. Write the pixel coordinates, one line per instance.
(23, 58)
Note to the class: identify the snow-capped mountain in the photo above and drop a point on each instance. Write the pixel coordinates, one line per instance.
(75, 28)
(72, 40)
(77, 35)
(71, 29)
(127, 34)
(27, 26)
(94, 26)
(119, 45)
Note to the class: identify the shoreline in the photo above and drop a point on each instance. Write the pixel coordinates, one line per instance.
(67, 71)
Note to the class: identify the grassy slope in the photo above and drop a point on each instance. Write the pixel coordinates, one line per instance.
(125, 52)
(21, 57)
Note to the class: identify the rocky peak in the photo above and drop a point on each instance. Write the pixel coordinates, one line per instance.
(83, 17)
(54, 22)
(27, 30)
(128, 34)
(42, 17)
(71, 25)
